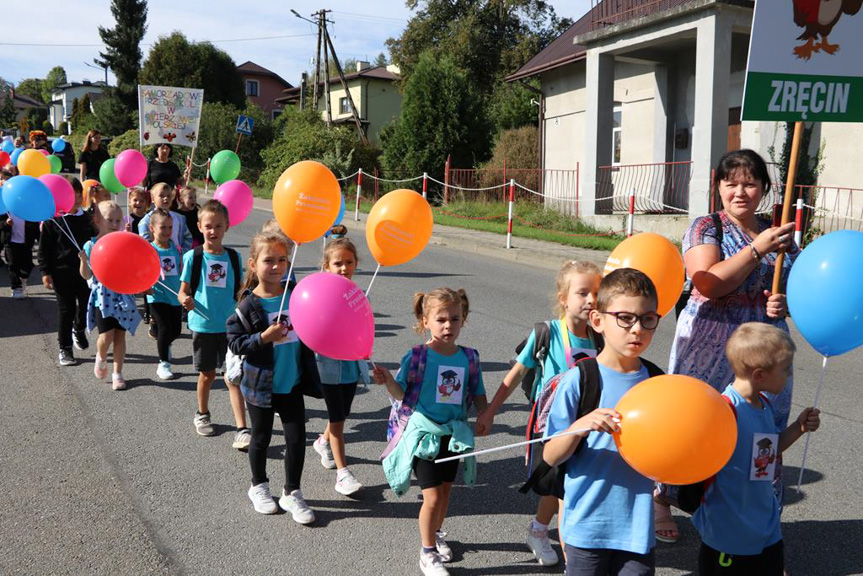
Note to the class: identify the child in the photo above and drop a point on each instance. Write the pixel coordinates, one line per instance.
(139, 203)
(607, 519)
(275, 370)
(94, 194)
(738, 519)
(210, 280)
(340, 379)
(112, 313)
(188, 208)
(577, 284)
(451, 379)
(59, 264)
(163, 197)
(18, 238)
(167, 313)
(338, 231)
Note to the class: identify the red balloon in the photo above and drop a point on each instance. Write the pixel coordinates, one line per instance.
(125, 263)
(4, 158)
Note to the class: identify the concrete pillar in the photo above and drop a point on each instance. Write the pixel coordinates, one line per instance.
(660, 114)
(710, 126)
(599, 111)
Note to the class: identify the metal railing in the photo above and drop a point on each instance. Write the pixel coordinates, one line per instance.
(610, 12)
(661, 188)
(555, 188)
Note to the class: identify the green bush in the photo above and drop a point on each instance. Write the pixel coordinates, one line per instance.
(302, 135)
(64, 128)
(48, 128)
(218, 132)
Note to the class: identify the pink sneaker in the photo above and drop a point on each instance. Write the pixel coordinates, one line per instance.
(100, 368)
(117, 382)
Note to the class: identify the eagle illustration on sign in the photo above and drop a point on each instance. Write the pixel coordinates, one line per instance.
(817, 18)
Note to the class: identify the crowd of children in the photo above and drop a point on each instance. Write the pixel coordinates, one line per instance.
(239, 318)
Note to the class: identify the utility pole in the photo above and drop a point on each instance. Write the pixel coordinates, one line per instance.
(347, 90)
(328, 103)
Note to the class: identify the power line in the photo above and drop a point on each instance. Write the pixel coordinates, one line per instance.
(356, 16)
(152, 43)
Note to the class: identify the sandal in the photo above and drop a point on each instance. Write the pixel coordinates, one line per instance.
(664, 526)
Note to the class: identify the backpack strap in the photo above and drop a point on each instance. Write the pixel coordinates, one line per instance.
(473, 374)
(416, 370)
(589, 387)
(541, 341)
(717, 224)
(234, 257)
(652, 369)
(197, 266)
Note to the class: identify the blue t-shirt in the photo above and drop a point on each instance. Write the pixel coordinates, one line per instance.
(606, 503)
(286, 352)
(214, 297)
(170, 261)
(443, 392)
(740, 512)
(555, 361)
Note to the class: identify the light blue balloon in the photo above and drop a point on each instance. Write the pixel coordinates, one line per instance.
(28, 198)
(339, 217)
(58, 145)
(13, 157)
(2, 205)
(8, 146)
(825, 292)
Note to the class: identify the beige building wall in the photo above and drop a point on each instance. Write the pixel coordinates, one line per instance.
(377, 101)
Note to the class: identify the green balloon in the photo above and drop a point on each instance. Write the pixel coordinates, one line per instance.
(225, 166)
(56, 164)
(109, 179)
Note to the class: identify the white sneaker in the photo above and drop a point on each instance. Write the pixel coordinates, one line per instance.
(537, 541)
(325, 452)
(203, 426)
(242, 439)
(347, 483)
(431, 564)
(296, 505)
(262, 500)
(163, 371)
(17, 293)
(442, 547)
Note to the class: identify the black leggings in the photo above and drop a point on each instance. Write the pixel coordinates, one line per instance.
(292, 412)
(169, 323)
(72, 296)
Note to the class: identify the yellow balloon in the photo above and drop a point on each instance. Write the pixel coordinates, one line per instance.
(398, 227)
(33, 163)
(306, 201)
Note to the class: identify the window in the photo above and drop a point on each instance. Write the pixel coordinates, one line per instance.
(275, 114)
(344, 105)
(616, 133)
(252, 88)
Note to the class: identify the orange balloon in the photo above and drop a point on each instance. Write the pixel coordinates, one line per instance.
(659, 259)
(306, 201)
(399, 226)
(33, 163)
(675, 429)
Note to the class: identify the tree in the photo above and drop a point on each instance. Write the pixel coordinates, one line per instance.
(123, 47)
(30, 87)
(510, 106)
(174, 61)
(381, 60)
(441, 115)
(7, 105)
(86, 104)
(56, 77)
(112, 116)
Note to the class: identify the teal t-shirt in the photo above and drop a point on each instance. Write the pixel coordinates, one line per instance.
(214, 297)
(443, 392)
(171, 262)
(286, 352)
(350, 372)
(555, 361)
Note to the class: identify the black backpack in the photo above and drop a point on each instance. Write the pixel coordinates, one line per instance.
(546, 479)
(198, 265)
(533, 378)
(687, 285)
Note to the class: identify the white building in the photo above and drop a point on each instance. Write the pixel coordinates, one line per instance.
(644, 96)
(60, 108)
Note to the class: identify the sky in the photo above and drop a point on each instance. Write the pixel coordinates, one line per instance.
(68, 36)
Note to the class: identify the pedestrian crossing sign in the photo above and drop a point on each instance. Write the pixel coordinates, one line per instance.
(245, 125)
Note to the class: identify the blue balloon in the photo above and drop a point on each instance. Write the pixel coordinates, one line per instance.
(28, 198)
(339, 217)
(825, 292)
(8, 146)
(14, 155)
(2, 205)
(58, 145)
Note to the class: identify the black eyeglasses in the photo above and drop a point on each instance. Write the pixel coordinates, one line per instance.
(627, 320)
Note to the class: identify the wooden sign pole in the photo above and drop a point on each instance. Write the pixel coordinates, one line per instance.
(789, 199)
(239, 139)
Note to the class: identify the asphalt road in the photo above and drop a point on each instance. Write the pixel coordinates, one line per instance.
(103, 482)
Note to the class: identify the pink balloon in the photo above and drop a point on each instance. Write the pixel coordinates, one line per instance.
(332, 316)
(130, 168)
(44, 152)
(61, 190)
(237, 198)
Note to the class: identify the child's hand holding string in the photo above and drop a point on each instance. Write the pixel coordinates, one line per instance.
(600, 420)
(809, 420)
(273, 333)
(381, 375)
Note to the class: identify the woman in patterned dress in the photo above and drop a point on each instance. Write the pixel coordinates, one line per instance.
(731, 285)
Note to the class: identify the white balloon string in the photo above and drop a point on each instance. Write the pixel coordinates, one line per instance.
(68, 233)
(508, 446)
(369, 289)
(809, 434)
(169, 289)
(290, 271)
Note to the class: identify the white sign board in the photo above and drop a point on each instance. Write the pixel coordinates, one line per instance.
(805, 61)
(168, 114)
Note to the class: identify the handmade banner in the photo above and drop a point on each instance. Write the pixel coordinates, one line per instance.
(795, 72)
(169, 115)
